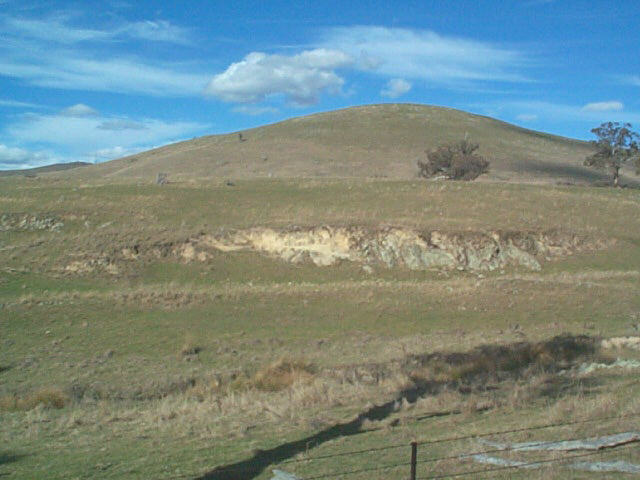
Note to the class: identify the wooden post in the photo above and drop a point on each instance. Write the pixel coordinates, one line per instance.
(414, 459)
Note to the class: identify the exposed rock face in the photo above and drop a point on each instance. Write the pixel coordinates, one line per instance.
(26, 222)
(402, 247)
(621, 342)
(387, 247)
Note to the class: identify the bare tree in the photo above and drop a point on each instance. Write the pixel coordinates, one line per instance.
(455, 161)
(616, 145)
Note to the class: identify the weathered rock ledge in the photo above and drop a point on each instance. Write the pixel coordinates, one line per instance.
(393, 246)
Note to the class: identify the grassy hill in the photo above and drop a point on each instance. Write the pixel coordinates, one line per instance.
(369, 141)
(55, 167)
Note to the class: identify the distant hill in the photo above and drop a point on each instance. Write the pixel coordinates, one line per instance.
(55, 167)
(368, 141)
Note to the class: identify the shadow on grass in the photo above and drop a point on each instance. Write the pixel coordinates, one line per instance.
(9, 458)
(464, 371)
(254, 466)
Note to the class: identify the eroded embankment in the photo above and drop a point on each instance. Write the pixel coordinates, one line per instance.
(385, 247)
(413, 249)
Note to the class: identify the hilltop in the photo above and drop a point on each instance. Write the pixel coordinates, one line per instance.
(382, 141)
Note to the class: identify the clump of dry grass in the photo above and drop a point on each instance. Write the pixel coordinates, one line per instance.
(47, 397)
(189, 347)
(282, 374)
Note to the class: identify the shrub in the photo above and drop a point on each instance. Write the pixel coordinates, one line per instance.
(456, 161)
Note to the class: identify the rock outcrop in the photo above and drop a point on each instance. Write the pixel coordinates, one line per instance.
(413, 249)
(26, 222)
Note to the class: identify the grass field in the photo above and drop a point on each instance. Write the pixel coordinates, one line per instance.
(157, 367)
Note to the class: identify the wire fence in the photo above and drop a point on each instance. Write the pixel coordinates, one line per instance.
(460, 438)
(411, 463)
(414, 462)
(519, 465)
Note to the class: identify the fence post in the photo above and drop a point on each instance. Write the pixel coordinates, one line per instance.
(414, 459)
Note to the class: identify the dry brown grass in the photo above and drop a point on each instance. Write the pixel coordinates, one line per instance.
(51, 397)
(367, 141)
(283, 373)
(189, 347)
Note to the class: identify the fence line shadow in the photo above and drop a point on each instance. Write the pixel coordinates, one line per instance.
(254, 466)
(499, 361)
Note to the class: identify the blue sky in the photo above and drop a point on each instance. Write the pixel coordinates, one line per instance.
(96, 80)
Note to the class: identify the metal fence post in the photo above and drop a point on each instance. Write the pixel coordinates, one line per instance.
(414, 459)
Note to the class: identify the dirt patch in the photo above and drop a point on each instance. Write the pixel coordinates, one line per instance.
(391, 247)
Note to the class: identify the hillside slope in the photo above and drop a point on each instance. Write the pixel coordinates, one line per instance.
(54, 167)
(368, 141)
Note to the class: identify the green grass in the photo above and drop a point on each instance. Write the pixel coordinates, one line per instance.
(118, 337)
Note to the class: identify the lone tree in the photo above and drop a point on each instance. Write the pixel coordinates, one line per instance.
(455, 161)
(616, 145)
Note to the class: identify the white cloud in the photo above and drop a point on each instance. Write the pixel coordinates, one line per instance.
(121, 124)
(52, 30)
(67, 71)
(56, 29)
(97, 137)
(79, 110)
(113, 75)
(83, 134)
(118, 151)
(633, 80)
(157, 31)
(38, 52)
(559, 112)
(423, 54)
(300, 78)
(12, 158)
(395, 88)
(254, 110)
(527, 117)
(612, 106)
(17, 104)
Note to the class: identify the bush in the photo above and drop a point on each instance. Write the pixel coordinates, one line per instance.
(456, 161)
